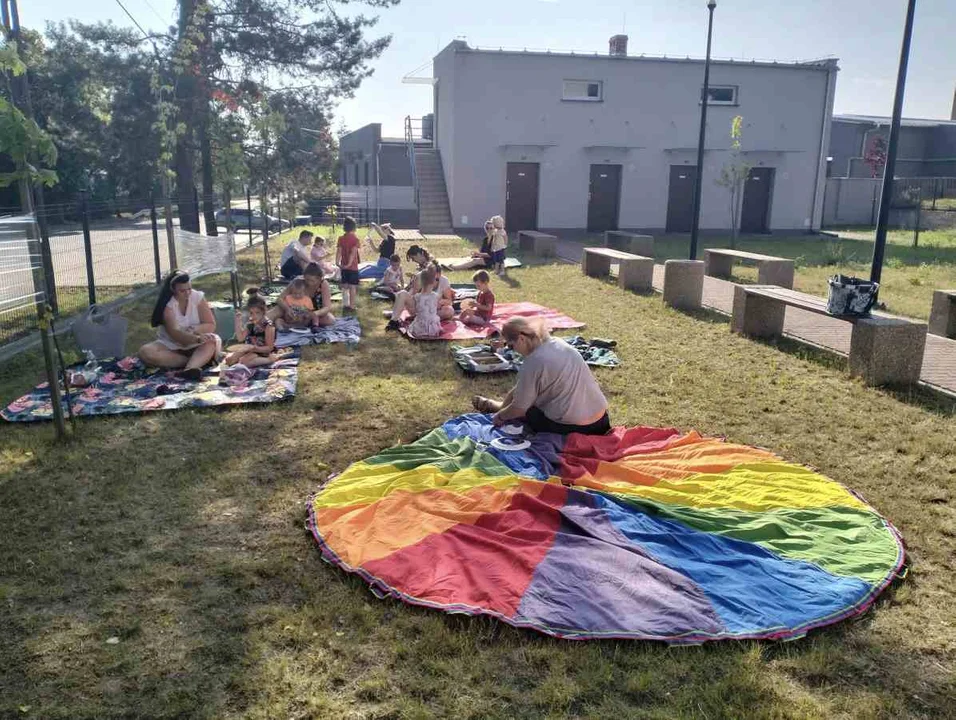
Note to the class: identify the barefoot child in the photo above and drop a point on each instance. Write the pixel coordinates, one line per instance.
(499, 241)
(296, 309)
(394, 278)
(320, 254)
(426, 322)
(257, 337)
(480, 313)
(347, 258)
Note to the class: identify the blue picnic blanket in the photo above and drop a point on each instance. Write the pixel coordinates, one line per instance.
(345, 330)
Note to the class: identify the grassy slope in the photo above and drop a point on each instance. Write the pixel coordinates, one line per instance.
(182, 535)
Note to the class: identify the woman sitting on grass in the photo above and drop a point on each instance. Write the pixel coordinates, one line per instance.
(186, 329)
(555, 392)
(317, 288)
(480, 258)
(385, 250)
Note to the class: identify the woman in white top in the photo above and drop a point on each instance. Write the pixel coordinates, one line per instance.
(186, 335)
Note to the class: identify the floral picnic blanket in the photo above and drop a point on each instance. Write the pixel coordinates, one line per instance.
(128, 386)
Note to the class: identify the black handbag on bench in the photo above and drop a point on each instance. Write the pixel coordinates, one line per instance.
(851, 296)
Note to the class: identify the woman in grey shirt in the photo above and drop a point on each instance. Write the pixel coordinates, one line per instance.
(555, 392)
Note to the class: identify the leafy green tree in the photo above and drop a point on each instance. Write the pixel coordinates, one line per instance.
(21, 139)
(250, 49)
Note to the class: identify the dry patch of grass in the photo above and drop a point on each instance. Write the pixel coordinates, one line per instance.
(182, 536)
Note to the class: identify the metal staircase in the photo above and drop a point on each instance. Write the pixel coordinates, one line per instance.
(428, 179)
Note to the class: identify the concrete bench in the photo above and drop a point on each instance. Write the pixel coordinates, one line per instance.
(683, 284)
(942, 318)
(771, 270)
(538, 243)
(629, 242)
(883, 349)
(635, 271)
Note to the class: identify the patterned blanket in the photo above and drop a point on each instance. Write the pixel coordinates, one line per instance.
(345, 330)
(596, 353)
(127, 386)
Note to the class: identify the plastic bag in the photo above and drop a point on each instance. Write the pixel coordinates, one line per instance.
(851, 296)
(102, 333)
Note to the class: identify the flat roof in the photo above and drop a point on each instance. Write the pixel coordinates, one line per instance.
(885, 120)
(819, 63)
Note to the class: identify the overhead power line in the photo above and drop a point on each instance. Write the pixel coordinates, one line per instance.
(130, 16)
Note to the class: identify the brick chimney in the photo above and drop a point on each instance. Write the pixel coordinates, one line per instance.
(618, 46)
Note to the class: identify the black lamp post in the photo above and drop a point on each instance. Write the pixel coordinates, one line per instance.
(889, 169)
(698, 180)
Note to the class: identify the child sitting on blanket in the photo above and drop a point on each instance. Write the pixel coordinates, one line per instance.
(479, 313)
(426, 322)
(296, 309)
(319, 255)
(394, 278)
(257, 337)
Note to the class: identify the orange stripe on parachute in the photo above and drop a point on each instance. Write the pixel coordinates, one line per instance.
(361, 534)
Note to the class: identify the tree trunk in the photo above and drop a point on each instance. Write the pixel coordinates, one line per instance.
(205, 146)
(184, 160)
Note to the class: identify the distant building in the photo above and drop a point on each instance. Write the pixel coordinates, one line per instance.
(565, 140)
(927, 148)
(375, 175)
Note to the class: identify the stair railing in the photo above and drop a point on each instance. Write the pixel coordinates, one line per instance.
(413, 132)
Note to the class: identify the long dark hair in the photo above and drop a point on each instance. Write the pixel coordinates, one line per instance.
(175, 277)
(418, 250)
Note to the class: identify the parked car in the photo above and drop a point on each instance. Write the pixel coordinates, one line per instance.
(240, 219)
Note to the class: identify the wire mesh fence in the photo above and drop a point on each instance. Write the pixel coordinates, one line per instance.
(76, 254)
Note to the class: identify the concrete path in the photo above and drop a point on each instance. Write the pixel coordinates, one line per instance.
(939, 359)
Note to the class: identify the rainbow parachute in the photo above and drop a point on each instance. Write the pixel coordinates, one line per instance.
(644, 533)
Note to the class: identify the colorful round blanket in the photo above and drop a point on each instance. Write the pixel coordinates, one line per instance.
(644, 533)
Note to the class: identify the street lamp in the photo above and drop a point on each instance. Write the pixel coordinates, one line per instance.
(705, 96)
(889, 169)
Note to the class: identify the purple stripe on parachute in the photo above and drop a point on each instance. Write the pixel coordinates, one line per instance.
(754, 592)
(539, 461)
(593, 581)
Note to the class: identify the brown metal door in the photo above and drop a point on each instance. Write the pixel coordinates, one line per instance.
(680, 198)
(521, 197)
(755, 210)
(604, 197)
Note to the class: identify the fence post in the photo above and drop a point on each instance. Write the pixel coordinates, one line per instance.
(249, 210)
(152, 221)
(46, 258)
(87, 246)
(265, 245)
(196, 202)
(919, 212)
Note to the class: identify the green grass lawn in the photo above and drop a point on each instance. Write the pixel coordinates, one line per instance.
(182, 535)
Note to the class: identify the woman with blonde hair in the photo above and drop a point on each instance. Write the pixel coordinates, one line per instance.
(499, 241)
(555, 392)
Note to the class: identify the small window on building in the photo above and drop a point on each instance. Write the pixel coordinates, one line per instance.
(720, 94)
(366, 173)
(583, 90)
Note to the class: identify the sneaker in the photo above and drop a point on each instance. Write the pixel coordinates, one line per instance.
(392, 325)
(386, 313)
